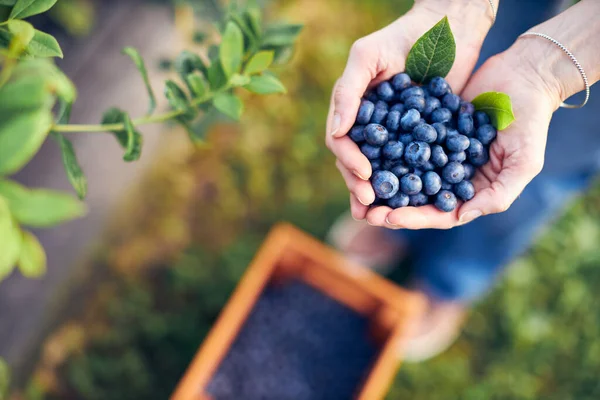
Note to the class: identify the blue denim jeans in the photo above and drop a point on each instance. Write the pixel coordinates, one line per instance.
(462, 263)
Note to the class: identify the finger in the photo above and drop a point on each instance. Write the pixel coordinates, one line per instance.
(348, 153)
(358, 211)
(376, 216)
(361, 189)
(425, 217)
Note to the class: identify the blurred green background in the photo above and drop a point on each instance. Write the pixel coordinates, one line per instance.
(174, 258)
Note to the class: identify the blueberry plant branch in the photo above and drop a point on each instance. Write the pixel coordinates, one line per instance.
(36, 99)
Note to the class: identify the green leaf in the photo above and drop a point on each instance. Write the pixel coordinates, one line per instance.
(259, 62)
(57, 82)
(27, 8)
(10, 245)
(229, 105)
(139, 63)
(265, 84)
(253, 17)
(239, 80)
(216, 76)
(128, 138)
(32, 260)
(281, 34)
(497, 106)
(188, 62)
(197, 85)
(115, 116)
(178, 100)
(24, 95)
(433, 54)
(71, 164)
(40, 208)
(21, 137)
(44, 45)
(21, 29)
(4, 13)
(231, 50)
(8, 2)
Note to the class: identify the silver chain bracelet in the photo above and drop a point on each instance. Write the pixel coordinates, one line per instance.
(574, 60)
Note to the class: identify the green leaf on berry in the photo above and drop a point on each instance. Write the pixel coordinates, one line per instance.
(265, 84)
(139, 63)
(497, 106)
(229, 105)
(433, 54)
(231, 50)
(32, 259)
(27, 8)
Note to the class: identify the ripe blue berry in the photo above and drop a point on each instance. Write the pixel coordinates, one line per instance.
(464, 190)
(379, 115)
(486, 134)
(399, 170)
(376, 135)
(438, 86)
(441, 130)
(398, 107)
(466, 108)
(459, 156)
(431, 104)
(381, 104)
(393, 120)
(481, 118)
(406, 138)
(451, 102)
(441, 115)
(398, 201)
(446, 201)
(417, 153)
(425, 133)
(401, 82)
(357, 133)
(365, 112)
(432, 183)
(385, 91)
(418, 200)
(371, 96)
(371, 152)
(411, 91)
(410, 119)
(469, 171)
(453, 142)
(415, 102)
(393, 136)
(428, 166)
(411, 184)
(418, 172)
(375, 164)
(446, 185)
(477, 153)
(453, 172)
(465, 124)
(393, 150)
(385, 184)
(387, 164)
(438, 156)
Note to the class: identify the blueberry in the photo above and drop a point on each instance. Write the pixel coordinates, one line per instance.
(438, 86)
(417, 171)
(428, 166)
(418, 200)
(379, 115)
(417, 153)
(431, 104)
(393, 120)
(446, 185)
(385, 184)
(481, 118)
(401, 82)
(371, 152)
(411, 184)
(410, 119)
(365, 112)
(438, 156)
(376, 135)
(425, 133)
(441, 130)
(453, 172)
(466, 108)
(371, 96)
(458, 156)
(357, 133)
(381, 104)
(465, 124)
(477, 153)
(446, 201)
(432, 183)
(411, 91)
(375, 164)
(387, 164)
(398, 107)
(440, 115)
(469, 171)
(486, 134)
(453, 142)
(399, 170)
(393, 150)
(406, 138)
(393, 136)
(385, 91)
(398, 201)
(415, 102)
(464, 190)
(451, 102)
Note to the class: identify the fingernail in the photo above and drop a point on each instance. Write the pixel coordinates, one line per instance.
(335, 126)
(359, 175)
(469, 216)
(387, 221)
(364, 203)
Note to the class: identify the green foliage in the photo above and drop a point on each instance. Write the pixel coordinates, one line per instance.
(11, 240)
(259, 62)
(141, 66)
(265, 84)
(128, 137)
(27, 8)
(433, 54)
(498, 106)
(4, 374)
(32, 259)
(229, 105)
(231, 50)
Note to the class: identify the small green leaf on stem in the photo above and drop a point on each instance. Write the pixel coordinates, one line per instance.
(44, 45)
(23, 95)
(229, 105)
(254, 19)
(259, 62)
(497, 106)
(281, 34)
(433, 54)
(265, 84)
(10, 245)
(178, 100)
(32, 260)
(197, 85)
(71, 164)
(134, 141)
(216, 76)
(188, 62)
(141, 66)
(239, 80)
(231, 50)
(22, 31)
(27, 8)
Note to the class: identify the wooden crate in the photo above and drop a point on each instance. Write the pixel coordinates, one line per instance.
(289, 253)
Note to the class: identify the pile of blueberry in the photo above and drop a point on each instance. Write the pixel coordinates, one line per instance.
(299, 344)
(424, 143)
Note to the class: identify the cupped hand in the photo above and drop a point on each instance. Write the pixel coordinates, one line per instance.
(380, 56)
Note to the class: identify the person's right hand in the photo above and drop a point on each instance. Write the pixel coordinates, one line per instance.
(381, 55)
